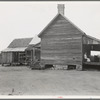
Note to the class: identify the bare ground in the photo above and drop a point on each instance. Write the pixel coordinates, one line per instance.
(24, 81)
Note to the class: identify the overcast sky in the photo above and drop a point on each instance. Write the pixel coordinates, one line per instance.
(27, 19)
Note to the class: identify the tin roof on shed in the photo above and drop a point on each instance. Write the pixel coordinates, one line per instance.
(21, 49)
(31, 46)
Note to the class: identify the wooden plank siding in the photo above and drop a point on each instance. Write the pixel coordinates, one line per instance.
(61, 43)
(13, 57)
(7, 57)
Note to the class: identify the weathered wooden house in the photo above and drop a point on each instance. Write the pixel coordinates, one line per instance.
(33, 52)
(15, 52)
(63, 43)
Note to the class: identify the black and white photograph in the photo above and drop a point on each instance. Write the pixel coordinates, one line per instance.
(50, 48)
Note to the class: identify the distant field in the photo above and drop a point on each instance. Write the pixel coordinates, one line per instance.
(24, 81)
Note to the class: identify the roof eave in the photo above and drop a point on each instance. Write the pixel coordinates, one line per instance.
(83, 33)
(93, 38)
(39, 35)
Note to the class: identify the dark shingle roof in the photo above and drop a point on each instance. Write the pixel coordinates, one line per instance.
(22, 42)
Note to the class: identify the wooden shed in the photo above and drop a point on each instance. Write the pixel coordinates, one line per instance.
(15, 52)
(62, 42)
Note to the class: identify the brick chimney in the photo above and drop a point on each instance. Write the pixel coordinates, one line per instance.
(61, 8)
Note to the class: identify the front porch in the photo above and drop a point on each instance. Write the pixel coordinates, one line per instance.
(91, 55)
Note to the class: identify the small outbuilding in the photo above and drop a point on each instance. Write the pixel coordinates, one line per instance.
(14, 54)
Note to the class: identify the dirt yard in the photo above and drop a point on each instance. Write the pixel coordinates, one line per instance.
(24, 81)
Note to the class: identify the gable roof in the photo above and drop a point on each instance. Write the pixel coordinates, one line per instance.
(31, 46)
(21, 42)
(39, 35)
(35, 40)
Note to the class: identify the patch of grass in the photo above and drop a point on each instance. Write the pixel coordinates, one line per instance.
(25, 81)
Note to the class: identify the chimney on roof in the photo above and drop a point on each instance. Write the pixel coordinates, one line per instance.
(61, 8)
